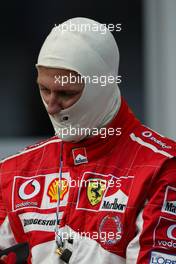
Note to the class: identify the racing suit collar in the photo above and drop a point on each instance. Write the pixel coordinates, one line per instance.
(95, 147)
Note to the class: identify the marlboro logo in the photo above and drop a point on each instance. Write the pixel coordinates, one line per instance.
(104, 192)
(169, 205)
(79, 156)
(115, 205)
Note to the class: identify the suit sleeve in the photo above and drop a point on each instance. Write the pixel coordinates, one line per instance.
(2, 210)
(6, 235)
(155, 240)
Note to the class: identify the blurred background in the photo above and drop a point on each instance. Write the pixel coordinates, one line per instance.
(147, 45)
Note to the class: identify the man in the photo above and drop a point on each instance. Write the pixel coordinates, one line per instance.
(85, 198)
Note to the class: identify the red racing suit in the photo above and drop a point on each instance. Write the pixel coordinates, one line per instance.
(117, 202)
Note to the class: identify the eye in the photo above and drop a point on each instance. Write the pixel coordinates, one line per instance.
(68, 93)
(44, 89)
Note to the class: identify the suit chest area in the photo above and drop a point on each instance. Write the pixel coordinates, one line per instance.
(98, 199)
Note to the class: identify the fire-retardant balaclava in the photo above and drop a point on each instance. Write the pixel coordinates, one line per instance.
(79, 44)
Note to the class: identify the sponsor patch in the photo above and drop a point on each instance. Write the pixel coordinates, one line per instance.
(110, 230)
(95, 190)
(53, 189)
(101, 192)
(165, 234)
(169, 204)
(79, 156)
(38, 222)
(162, 258)
(39, 191)
(27, 192)
(149, 134)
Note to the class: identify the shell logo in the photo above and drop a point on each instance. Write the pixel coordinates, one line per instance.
(53, 189)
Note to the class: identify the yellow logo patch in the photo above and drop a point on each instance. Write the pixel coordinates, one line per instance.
(95, 190)
(53, 189)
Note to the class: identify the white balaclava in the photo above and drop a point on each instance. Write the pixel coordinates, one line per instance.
(88, 48)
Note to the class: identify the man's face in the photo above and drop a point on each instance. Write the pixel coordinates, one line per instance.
(56, 94)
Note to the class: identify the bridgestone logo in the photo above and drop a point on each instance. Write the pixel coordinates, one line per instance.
(170, 207)
(115, 205)
(39, 222)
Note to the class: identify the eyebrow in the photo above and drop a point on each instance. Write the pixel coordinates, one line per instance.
(63, 88)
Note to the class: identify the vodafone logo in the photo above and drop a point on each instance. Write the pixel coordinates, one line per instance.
(36, 189)
(165, 233)
(171, 232)
(147, 134)
(27, 192)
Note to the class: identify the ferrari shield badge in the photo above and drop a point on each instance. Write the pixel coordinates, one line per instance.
(95, 190)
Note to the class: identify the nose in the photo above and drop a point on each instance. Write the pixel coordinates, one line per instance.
(53, 105)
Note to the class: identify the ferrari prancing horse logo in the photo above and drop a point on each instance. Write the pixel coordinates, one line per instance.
(95, 190)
